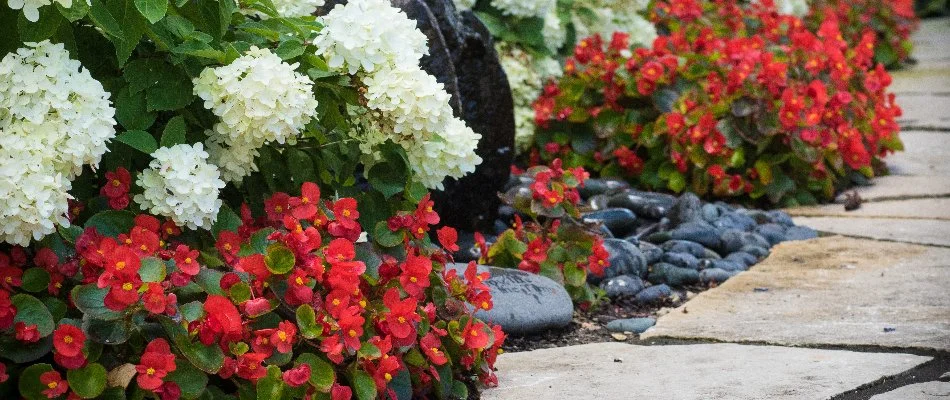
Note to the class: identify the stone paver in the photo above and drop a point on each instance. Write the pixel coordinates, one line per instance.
(900, 187)
(936, 208)
(925, 111)
(925, 154)
(921, 80)
(930, 43)
(918, 391)
(916, 231)
(827, 291)
(607, 371)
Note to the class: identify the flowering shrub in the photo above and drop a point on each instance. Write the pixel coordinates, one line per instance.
(725, 107)
(286, 305)
(531, 37)
(891, 22)
(553, 243)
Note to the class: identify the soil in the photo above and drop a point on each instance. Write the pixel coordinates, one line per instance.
(590, 326)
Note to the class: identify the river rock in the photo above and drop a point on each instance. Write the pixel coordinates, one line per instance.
(622, 286)
(701, 233)
(733, 240)
(650, 205)
(757, 251)
(735, 220)
(684, 246)
(711, 212)
(654, 293)
(597, 202)
(715, 275)
(592, 187)
(650, 251)
(726, 265)
(772, 232)
(682, 260)
(625, 259)
(742, 258)
(781, 217)
(800, 233)
(524, 303)
(672, 275)
(620, 221)
(687, 208)
(635, 325)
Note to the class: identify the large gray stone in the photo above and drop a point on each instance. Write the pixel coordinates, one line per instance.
(919, 391)
(827, 291)
(608, 371)
(916, 231)
(625, 259)
(524, 303)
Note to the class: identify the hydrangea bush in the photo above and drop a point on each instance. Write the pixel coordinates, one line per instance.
(130, 131)
(554, 242)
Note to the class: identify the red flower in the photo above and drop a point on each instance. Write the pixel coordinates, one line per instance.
(3, 373)
(26, 333)
(68, 340)
(284, 336)
(401, 315)
(255, 265)
(75, 362)
(156, 363)
(598, 260)
(305, 206)
(117, 183)
(339, 250)
(338, 392)
(7, 310)
(155, 299)
(415, 275)
(424, 211)
(474, 335)
(351, 325)
(277, 206)
(55, 384)
(297, 376)
(249, 366)
(345, 208)
(228, 244)
(222, 318)
(448, 237)
(537, 250)
(430, 344)
(187, 260)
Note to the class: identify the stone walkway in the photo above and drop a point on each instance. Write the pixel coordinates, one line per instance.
(873, 294)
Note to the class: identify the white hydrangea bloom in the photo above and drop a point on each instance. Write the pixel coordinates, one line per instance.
(31, 8)
(366, 34)
(798, 8)
(180, 184)
(259, 98)
(554, 32)
(382, 47)
(526, 77)
(524, 8)
(617, 20)
(54, 119)
(297, 8)
(413, 99)
(235, 161)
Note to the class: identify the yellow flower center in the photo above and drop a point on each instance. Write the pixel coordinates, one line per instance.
(116, 182)
(413, 279)
(68, 339)
(282, 336)
(485, 305)
(304, 200)
(279, 209)
(299, 280)
(227, 246)
(346, 213)
(120, 265)
(402, 320)
(388, 377)
(352, 333)
(127, 286)
(187, 260)
(52, 385)
(336, 302)
(150, 371)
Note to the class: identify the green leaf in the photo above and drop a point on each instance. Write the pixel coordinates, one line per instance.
(279, 259)
(69, 233)
(574, 275)
(210, 281)
(401, 384)
(24, 353)
(677, 182)
(307, 322)
(322, 374)
(35, 280)
(76, 12)
(290, 49)
(240, 292)
(31, 310)
(112, 222)
(270, 387)
(42, 29)
(88, 382)
(106, 332)
(103, 19)
(152, 270)
(174, 132)
(192, 311)
(391, 175)
(30, 386)
(363, 386)
(386, 237)
(130, 110)
(152, 10)
(190, 380)
(139, 140)
(90, 300)
(227, 220)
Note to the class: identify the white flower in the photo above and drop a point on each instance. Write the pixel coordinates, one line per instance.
(450, 155)
(31, 8)
(798, 8)
(610, 20)
(295, 8)
(259, 98)
(54, 119)
(412, 98)
(525, 8)
(465, 4)
(526, 77)
(366, 34)
(235, 161)
(180, 184)
(554, 32)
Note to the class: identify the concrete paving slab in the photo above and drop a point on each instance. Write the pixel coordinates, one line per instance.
(903, 187)
(928, 208)
(915, 231)
(918, 391)
(827, 291)
(920, 80)
(607, 371)
(930, 42)
(925, 154)
(924, 111)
